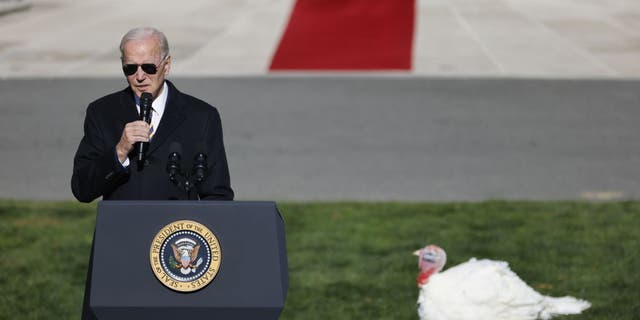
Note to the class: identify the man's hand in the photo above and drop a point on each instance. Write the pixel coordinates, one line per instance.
(136, 131)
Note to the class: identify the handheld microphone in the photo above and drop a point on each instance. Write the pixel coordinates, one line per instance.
(145, 115)
(173, 164)
(200, 163)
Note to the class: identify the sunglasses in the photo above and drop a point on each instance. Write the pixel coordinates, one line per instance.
(148, 68)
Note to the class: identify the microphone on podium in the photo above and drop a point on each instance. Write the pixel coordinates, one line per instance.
(173, 163)
(200, 162)
(187, 181)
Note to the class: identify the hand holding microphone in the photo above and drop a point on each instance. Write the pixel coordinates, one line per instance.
(137, 131)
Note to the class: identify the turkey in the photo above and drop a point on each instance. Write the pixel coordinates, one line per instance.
(482, 289)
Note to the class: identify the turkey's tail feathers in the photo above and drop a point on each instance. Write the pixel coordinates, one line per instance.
(562, 305)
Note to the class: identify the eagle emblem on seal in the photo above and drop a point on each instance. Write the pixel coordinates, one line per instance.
(185, 253)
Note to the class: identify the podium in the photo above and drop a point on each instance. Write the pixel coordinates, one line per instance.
(247, 263)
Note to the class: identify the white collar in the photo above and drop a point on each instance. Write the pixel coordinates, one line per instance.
(158, 104)
(161, 101)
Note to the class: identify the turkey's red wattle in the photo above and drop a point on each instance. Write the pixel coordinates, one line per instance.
(423, 277)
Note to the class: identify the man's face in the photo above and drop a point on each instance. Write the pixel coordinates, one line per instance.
(146, 51)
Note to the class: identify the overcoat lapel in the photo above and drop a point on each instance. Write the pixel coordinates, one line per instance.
(129, 112)
(174, 115)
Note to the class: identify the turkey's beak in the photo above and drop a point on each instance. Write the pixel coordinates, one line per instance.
(417, 253)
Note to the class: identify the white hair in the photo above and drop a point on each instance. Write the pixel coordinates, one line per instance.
(142, 33)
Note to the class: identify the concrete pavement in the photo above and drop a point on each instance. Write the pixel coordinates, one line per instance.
(9, 6)
(362, 138)
(483, 38)
(513, 99)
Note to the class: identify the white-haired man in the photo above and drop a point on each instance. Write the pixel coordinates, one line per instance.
(104, 163)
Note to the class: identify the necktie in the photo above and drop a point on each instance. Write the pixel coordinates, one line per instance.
(154, 123)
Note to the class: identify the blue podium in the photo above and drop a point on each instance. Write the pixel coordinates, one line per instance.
(188, 260)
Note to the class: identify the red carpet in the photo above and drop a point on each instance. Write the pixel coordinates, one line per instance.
(347, 35)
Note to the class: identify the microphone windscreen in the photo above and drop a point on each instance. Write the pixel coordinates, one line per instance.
(200, 162)
(146, 100)
(146, 97)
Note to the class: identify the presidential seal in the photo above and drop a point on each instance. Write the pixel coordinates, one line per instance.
(185, 256)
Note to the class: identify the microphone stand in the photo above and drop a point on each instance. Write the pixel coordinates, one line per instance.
(186, 181)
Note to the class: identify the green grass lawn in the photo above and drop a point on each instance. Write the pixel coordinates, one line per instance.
(354, 260)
